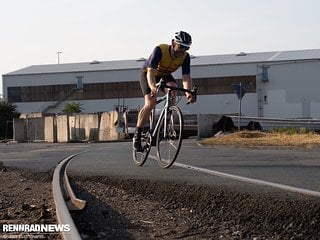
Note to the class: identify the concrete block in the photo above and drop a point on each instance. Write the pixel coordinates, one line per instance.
(205, 123)
(90, 123)
(108, 127)
(19, 132)
(63, 128)
(35, 129)
(50, 129)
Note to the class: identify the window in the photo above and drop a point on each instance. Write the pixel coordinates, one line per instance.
(115, 90)
(15, 94)
(265, 73)
(79, 82)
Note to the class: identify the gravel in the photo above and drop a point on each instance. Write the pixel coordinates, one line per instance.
(144, 209)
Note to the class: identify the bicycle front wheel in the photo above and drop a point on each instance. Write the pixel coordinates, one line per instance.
(169, 137)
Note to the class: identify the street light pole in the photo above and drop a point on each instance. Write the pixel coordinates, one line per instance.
(59, 57)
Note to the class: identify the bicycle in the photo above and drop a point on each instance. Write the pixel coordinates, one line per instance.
(166, 133)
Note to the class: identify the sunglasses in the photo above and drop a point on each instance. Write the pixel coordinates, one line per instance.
(183, 47)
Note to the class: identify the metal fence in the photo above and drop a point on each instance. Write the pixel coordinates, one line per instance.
(272, 123)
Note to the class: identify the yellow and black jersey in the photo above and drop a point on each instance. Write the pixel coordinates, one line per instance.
(161, 60)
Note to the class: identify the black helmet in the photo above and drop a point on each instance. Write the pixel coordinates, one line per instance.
(183, 38)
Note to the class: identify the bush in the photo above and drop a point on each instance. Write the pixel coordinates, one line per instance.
(72, 108)
(7, 113)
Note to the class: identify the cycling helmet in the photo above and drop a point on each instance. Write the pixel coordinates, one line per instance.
(183, 38)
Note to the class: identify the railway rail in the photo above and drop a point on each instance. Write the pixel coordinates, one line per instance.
(65, 199)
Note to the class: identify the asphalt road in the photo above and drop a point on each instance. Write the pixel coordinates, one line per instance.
(290, 166)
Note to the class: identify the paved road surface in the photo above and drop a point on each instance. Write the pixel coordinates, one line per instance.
(293, 167)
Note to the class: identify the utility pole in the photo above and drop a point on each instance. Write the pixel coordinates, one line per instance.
(58, 53)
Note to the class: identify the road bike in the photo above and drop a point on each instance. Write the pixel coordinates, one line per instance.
(165, 130)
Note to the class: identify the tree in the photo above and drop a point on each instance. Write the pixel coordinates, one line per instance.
(72, 108)
(7, 113)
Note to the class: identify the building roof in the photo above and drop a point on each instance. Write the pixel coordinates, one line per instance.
(79, 67)
(259, 57)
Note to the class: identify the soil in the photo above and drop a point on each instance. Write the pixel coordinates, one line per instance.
(143, 209)
(26, 198)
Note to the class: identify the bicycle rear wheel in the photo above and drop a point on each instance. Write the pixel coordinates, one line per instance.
(169, 139)
(139, 158)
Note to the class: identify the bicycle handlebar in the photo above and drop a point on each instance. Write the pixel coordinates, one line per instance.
(161, 85)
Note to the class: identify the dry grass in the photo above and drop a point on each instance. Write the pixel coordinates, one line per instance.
(256, 138)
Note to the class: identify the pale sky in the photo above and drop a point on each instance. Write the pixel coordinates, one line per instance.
(33, 31)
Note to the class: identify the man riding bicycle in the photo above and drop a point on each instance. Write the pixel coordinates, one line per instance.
(164, 60)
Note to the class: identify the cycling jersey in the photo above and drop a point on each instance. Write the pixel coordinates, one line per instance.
(162, 61)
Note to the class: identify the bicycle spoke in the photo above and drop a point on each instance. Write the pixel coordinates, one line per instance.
(168, 145)
(174, 146)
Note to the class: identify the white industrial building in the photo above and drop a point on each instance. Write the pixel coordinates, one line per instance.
(282, 84)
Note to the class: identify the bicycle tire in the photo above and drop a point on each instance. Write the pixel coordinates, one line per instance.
(168, 147)
(139, 158)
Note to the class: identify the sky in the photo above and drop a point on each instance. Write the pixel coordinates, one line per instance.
(33, 31)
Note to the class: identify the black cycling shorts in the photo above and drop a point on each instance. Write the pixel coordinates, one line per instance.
(144, 83)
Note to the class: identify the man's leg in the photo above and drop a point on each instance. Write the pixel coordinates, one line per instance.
(143, 117)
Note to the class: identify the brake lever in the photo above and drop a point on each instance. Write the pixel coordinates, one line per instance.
(194, 93)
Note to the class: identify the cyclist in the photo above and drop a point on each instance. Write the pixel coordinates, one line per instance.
(164, 60)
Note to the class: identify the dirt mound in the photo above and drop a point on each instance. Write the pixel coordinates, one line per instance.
(141, 209)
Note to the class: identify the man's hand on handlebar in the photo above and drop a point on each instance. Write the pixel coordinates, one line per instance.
(154, 90)
(157, 87)
(190, 97)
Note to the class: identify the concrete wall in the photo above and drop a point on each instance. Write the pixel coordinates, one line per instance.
(64, 128)
(106, 126)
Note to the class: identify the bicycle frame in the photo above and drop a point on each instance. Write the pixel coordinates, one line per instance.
(166, 107)
(163, 113)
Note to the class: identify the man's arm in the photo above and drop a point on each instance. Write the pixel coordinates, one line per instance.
(186, 78)
(186, 81)
(152, 64)
(187, 84)
(151, 77)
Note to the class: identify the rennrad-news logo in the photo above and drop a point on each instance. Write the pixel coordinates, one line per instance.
(35, 228)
